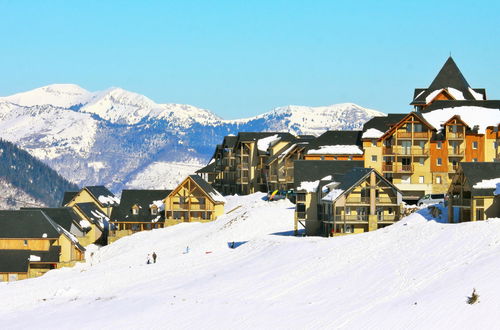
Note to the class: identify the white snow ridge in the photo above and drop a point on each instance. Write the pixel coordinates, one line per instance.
(415, 274)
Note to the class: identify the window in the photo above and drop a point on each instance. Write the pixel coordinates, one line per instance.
(154, 210)
(438, 180)
(347, 211)
(408, 128)
(439, 161)
(474, 145)
(374, 143)
(348, 229)
(421, 161)
(439, 145)
(25, 242)
(417, 127)
(301, 197)
(420, 179)
(374, 158)
(135, 210)
(474, 159)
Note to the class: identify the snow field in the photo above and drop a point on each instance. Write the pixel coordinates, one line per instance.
(415, 274)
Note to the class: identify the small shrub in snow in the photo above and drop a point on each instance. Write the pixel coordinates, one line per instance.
(473, 298)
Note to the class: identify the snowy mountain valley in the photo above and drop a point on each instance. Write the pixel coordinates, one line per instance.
(415, 274)
(125, 140)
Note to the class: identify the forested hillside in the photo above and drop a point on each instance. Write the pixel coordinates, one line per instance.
(23, 172)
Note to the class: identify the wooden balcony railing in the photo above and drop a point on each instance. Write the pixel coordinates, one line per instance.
(404, 135)
(454, 135)
(357, 200)
(420, 135)
(455, 152)
(348, 218)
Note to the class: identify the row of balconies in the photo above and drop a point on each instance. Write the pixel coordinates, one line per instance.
(366, 200)
(417, 151)
(397, 168)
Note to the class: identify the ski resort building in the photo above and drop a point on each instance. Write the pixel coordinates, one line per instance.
(94, 205)
(31, 243)
(138, 210)
(475, 192)
(193, 200)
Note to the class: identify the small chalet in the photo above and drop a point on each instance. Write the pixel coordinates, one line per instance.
(475, 192)
(94, 205)
(193, 200)
(309, 178)
(361, 200)
(46, 244)
(138, 210)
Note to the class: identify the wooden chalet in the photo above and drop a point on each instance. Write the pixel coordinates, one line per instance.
(193, 200)
(474, 193)
(138, 210)
(47, 244)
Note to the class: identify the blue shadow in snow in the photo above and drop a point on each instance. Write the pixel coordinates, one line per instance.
(300, 232)
(234, 245)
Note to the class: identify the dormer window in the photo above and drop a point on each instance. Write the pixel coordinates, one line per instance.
(135, 210)
(154, 210)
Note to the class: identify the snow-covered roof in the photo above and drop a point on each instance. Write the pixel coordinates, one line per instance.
(476, 95)
(488, 184)
(264, 143)
(34, 258)
(109, 200)
(159, 204)
(457, 95)
(372, 133)
(336, 150)
(482, 117)
(309, 186)
(333, 195)
(84, 223)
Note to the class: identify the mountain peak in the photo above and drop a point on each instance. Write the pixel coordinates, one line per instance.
(60, 95)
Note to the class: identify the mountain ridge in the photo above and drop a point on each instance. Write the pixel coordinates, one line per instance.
(72, 130)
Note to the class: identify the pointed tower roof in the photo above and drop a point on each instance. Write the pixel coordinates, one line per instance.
(450, 81)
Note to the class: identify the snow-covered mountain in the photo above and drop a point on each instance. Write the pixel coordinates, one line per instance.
(114, 136)
(415, 274)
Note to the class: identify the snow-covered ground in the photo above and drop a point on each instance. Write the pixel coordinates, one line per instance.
(414, 274)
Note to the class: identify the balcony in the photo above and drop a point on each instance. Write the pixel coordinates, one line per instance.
(404, 135)
(388, 151)
(242, 180)
(386, 218)
(352, 218)
(455, 152)
(243, 166)
(387, 168)
(386, 200)
(404, 169)
(357, 200)
(273, 178)
(454, 135)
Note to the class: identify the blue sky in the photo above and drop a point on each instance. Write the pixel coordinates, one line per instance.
(241, 58)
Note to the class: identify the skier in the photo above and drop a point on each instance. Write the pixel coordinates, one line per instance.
(148, 261)
(187, 250)
(154, 257)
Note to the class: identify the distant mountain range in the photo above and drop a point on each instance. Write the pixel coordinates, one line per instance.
(26, 182)
(124, 139)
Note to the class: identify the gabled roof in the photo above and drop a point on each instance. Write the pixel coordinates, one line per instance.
(336, 138)
(448, 76)
(143, 199)
(457, 117)
(413, 113)
(102, 195)
(254, 136)
(63, 216)
(14, 261)
(476, 172)
(92, 213)
(436, 105)
(312, 170)
(27, 224)
(383, 124)
(68, 196)
(213, 194)
(210, 168)
(229, 141)
(353, 177)
(298, 143)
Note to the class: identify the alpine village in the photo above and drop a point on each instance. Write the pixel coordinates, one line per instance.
(341, 182)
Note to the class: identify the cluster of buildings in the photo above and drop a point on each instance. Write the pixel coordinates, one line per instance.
(355, 181)
(342, 182)
(36, 240)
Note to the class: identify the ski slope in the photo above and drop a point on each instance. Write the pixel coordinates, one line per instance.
(415, 274)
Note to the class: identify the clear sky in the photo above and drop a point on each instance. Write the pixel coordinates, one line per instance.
(242, 58)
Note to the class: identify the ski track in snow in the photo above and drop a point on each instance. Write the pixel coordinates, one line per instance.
(415, 274)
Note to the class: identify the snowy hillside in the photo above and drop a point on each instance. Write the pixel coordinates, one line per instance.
(12, 198)
(114, 136)
(415, 274)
